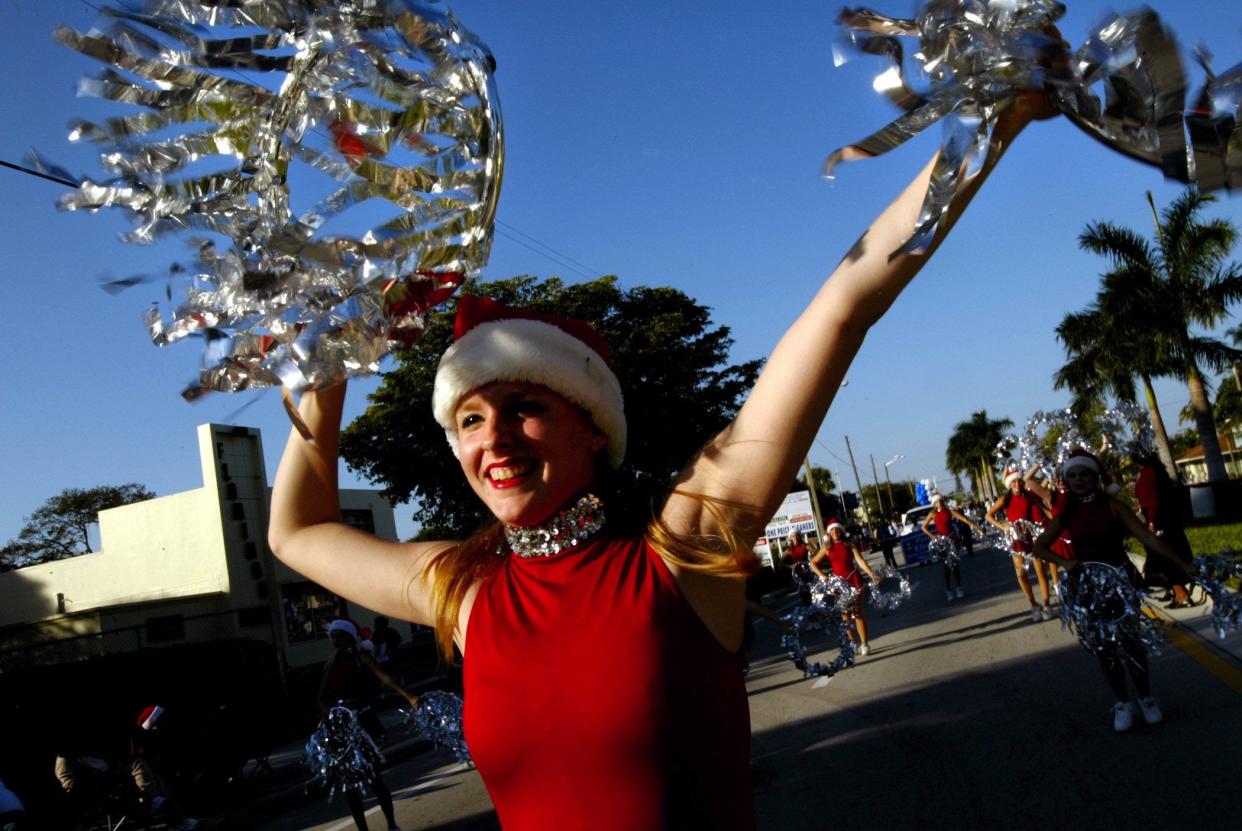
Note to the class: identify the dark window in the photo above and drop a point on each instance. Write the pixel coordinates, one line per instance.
(254, 616)
(250, 550)
(166, 628)
(309, 608)
(230, 490)
(244, 531)
(360, 518)
(239, 511)
(256, 570)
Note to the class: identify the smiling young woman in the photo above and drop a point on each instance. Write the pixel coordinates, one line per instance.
(603, 680)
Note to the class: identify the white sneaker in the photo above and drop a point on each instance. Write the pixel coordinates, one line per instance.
(1151, 710)
(948, 595)
(866, 650)
(960, 593)
(1123, 716)
(1036, 614)
(1046, 613)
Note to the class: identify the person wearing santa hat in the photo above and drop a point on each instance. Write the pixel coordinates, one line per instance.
(348, 679)
(942, 515)
(1019, 504)
(1098, 524)
(845, 561)
(603, 684)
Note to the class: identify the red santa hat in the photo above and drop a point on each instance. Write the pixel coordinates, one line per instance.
(1012, 473)
(495, 342)
(149, 716)
(832, 523)
(1080, 457)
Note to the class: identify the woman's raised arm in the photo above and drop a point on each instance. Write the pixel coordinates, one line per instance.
(748, 467)
(306, 533)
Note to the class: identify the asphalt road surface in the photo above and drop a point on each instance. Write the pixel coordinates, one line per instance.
(967, 715)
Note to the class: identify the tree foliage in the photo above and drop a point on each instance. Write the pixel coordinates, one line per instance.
(669, 356)
(970, 450)
(1156, 294)
(60, 527)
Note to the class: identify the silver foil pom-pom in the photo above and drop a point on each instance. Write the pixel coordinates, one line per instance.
(1212, 572)
(889, 600)
(340, 753)
(333, 166)
(437, 719)
(943, 550)
(1125, 86)
(828, 600)
(1101, 605)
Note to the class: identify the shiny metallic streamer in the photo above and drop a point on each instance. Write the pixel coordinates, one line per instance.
(1125, 86)
(1212, 571)
(943, 550)
(1101, 605)
(1025, 531)
(340, 753)
(887, 601)
(829, 597)
(437, 719)
(1126, 429)
(333, 166)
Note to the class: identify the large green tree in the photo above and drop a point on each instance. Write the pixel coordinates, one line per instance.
(1164, 290)
(1096, 369)
(671, 359)
(60, 527)
(970, 450)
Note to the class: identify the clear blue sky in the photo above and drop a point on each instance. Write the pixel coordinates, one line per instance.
(667, 143)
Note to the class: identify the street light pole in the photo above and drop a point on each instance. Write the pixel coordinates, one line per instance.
(857, 481)
(879, 497)
(888, 479)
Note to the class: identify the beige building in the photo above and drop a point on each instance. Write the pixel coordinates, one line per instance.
(190, 566)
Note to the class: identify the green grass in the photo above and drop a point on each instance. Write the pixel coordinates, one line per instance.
(1214, 537)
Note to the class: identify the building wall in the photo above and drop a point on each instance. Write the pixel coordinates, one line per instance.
(200, 554)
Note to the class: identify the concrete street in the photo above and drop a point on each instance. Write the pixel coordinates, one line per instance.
(966, 715)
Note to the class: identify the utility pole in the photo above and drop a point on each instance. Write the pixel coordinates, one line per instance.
(879, 497)
(857, 481)
(810, 483)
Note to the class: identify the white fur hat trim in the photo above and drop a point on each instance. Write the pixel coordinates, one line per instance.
(533, 352)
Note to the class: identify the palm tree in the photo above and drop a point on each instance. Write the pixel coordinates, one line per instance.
(1160, 291)
(970, 449)
(1095, 369)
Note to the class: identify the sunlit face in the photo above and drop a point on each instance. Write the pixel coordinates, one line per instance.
(1015, 486)
(1081, 480)
(525, 450)
(836, 534)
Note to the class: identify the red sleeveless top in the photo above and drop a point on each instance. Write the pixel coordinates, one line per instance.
(1023, 506)
(943, 520)
(843, 565)
(595, 698)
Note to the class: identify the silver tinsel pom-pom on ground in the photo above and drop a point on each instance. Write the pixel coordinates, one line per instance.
(1100, 605)
(340, 753)
(1211, 572)
(333, 166)
(437, 718)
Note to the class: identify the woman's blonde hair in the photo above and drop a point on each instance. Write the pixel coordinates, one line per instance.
(457, 568)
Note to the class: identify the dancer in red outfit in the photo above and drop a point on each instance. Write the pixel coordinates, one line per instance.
(603, 684)
(845, 561)
(943, 517)
(1022, 505)
(1098, 524)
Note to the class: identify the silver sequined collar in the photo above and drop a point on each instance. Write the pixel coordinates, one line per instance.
(571, 526)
